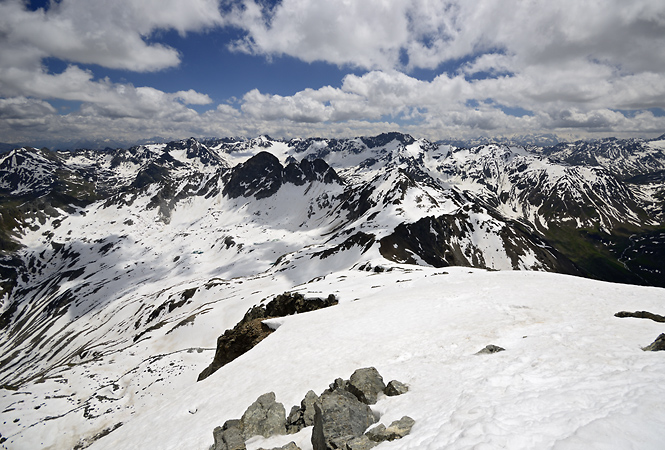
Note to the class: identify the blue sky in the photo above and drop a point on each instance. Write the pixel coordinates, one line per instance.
(128, 70)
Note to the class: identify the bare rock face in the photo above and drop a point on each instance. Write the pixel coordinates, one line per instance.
(339, 417)
(251, 330)
(657, 345)
(366, 384)
(265, 417)
(235, 342)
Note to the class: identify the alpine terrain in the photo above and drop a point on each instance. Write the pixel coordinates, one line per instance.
(150, 294)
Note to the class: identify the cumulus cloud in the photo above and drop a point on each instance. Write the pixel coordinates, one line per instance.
(497, 67)
(380, 34)
(110, 34)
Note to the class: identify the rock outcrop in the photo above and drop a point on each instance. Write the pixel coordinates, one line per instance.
(251, 330)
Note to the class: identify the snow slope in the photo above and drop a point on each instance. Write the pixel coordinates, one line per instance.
(573, 376)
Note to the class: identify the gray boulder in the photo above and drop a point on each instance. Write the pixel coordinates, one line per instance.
(265, 417)
(303, 416)
(229, 436)
(366, 384)
(397, 430)
(657, 345)
(395, 388)
(339, 417)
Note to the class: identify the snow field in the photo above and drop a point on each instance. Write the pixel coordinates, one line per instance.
(571, 371)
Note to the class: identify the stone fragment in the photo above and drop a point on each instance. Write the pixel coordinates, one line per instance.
(400, 428)
(361, 443)
(229, 436)
(290, 446)
(397, 430)
(366, 384)
(338, 384)
(265, 417)
(339, 417)
(395, 388)
(490, 349)
(657, 345)
(303, 416)
(377, 433)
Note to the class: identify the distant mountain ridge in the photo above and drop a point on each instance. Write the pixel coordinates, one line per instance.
(104, 252)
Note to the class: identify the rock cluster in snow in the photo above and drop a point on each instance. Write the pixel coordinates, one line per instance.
(340, 417)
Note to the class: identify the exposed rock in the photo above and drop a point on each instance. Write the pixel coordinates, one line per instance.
(303, 416)
(250, 330)
(339, 417)
(235, 342)
(366, 384)
(641, 315)
(397, 430)
(400, 428)
(295, 303)
(395, 388)
(265, 417)
(657, 345)
(262, 175)
(290, 446)
(377, 434)
(338, 384)
(229, 436)
(490, 349)
(361, 443)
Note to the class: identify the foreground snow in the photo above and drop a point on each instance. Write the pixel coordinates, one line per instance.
(572, 375)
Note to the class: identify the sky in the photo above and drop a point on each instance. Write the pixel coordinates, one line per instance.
(125, 71)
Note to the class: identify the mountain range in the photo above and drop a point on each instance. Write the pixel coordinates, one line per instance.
(119, 255)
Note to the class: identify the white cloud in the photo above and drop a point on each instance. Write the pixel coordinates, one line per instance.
(573, 66)
(378, 33)
(21, 107)
(111, 34)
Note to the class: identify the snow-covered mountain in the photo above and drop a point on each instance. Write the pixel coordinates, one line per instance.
(121, 268)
